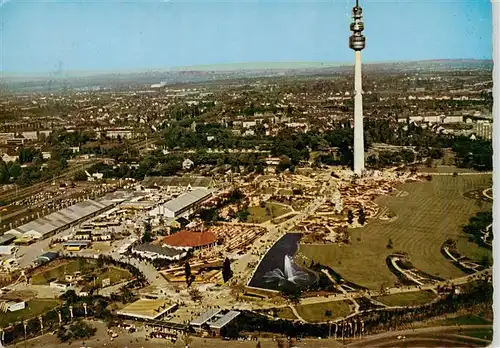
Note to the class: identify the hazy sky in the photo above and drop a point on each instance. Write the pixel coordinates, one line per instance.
(124, 35)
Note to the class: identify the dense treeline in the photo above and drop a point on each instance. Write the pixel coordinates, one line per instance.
(374, 320)
(477, 226)
(475, 154)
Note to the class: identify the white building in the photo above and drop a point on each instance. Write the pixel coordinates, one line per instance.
(248, 124)
(12, 306)
(453, 119)
(61, 286)
(8, 250)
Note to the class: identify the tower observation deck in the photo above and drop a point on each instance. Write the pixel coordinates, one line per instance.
(357, 42)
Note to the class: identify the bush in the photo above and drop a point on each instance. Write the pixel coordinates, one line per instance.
(76, 330)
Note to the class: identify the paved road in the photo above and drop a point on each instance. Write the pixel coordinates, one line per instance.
(451, 174)
(440, 336)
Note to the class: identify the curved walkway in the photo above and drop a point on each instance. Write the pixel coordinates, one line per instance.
(296, 313)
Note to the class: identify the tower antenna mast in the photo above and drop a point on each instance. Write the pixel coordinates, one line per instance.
(357, 43)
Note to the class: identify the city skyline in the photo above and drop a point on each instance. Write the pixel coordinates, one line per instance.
(112, 36)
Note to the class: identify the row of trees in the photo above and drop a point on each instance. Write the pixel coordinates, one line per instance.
(477, 226)
(374, 320)
(227, 273)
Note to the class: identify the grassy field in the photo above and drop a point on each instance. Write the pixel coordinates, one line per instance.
(85, 267)
(286, 313)
(69, 267)
(317, 312)
(33, 309)
(485, 334)
(271, 210)
(432, 212)
(407, 299)
(115, 275)
(466, 319)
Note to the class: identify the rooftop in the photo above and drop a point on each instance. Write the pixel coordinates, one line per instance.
(204, 317)
(194, 181)
(224, 320)
(7, 238)
(190, 239)
(51, 222)
(186, 199)
(146, 308)
(152, 248)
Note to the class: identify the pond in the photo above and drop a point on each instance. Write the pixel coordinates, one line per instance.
(277, 271)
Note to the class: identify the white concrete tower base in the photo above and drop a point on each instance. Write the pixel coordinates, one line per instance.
(359, 145)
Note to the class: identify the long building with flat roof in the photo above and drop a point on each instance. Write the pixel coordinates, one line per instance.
(148, 309)
(183, 205)
(53, 223)
(204, 317)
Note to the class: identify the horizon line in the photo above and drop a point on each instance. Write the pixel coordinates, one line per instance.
(206, 67)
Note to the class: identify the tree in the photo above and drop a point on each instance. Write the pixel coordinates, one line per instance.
(187, 273)
(15, 170)
(100, 261)
(243, 215)
(428, 162)
(63, 163)
(76, 330)
(70, 297)
(227, 273)
(147, 237)
(126, 295)
(80, 176)
(361, 216)
(195, 294)
(389, 244)
(350, 217)
(186, 338)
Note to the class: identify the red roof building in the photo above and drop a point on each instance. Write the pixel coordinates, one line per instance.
(188, 239)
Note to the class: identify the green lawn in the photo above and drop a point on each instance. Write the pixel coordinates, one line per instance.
(116, 275)
(432, 212)
(407, 299)
(87, 266)
(70, 267)
(270, 211)
(286, 313)
(33, 309)
(466, 319)
(317, 312)
(485, 334)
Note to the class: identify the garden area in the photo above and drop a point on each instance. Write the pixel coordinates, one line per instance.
(268, 211)
(33, 309)
(89, 270)
(407, 299)
(323, 312)
(432, 212)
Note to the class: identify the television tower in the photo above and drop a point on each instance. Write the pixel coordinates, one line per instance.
(357, 43)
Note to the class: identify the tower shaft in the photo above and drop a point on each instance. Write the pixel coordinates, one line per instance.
(359, 146)
(357, 42)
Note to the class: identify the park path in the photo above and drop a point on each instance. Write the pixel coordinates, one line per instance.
(296, 313)
(340, 288)
(451, 174)
(391, 291)
(485, 193)
(371, 341)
